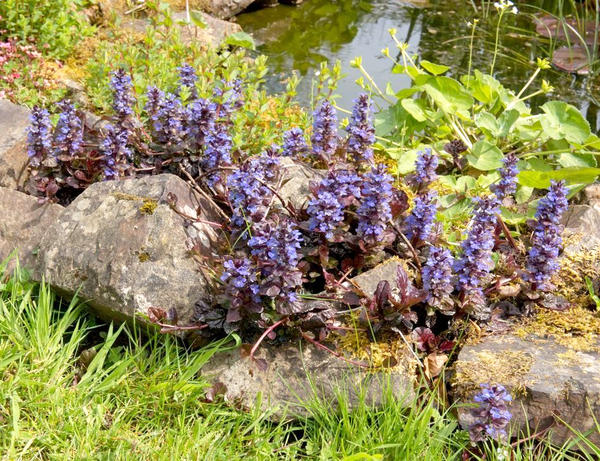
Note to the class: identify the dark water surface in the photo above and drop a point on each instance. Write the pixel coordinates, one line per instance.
(300, 38)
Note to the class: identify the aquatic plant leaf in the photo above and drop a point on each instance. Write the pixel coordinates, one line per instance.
(432, 68)
(241, 39)
(541, 179)
(485, 156)
(563, 121)
(449, 95)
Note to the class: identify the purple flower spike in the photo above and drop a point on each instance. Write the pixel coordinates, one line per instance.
(242, 289)
(217, 153)
(546, 242)
(425, 166)
(475, 261)
(492, 415)
(155, 101)
(437, 279)
(276, 247)
(69, 131)
(420, 221)
(361, 131)
(188, 79)
(375, 210)
(294, 143)
(324, 136)
(169, 121)
(201, 121)
(508, 178)
(38, 136)
(115, 151)
(326, 213)
(249, 191)
(122, 94)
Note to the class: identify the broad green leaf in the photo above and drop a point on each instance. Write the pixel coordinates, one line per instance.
(465, 183)
(486, 121)
(538, 164)
(576, 160)
(541, 179)
(448, 94)
(405, 160)
(512, 217)
(241, 39)
(563, 121)
(459, 209)
(414, 108)
(485, 156)
(506, 122)
(485, 180)
(432, 68)
(406, 93)
(198, 19)
(523, 194)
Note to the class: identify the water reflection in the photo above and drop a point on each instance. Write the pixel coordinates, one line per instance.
(299, 38)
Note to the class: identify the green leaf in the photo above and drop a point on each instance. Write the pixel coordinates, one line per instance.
(448, 94)
(523, 194)
(563, 121)
(485, 156)
(512, 217)
(506, 121)
(197, 18)
(406, 161)
(576, 160)
(241, 39)
(486, 121)
(460, 209)
(414, 108)
(541, 179)
(432, 68)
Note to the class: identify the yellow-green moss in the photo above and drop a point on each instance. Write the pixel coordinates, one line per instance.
(576, 328)
(507, 367)
(143, 256)
(575, 267)
(149, 206)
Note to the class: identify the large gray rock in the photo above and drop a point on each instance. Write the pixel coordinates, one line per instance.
(14, 121)
(298, 372)
(24, 222)
(223, 9)
(121, 246)
(550, 383)
(213, 34)
(582, 221)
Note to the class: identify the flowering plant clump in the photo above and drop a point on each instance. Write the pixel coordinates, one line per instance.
(287, 260)
(492, 415)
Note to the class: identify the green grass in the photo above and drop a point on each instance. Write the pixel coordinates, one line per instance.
(71, 388)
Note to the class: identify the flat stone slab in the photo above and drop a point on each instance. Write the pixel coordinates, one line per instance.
(551, 384)
(297, 373)
(24, 222)
(14, 121)
(122, 247)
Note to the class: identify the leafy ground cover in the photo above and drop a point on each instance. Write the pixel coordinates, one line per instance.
(75, 388)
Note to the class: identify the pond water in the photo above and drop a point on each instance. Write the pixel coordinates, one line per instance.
(299, 38)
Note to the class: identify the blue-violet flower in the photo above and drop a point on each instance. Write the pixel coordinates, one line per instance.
(546, 242)
(508, 178)
(375, 211)
(324, 135)
(38, 135)
(420, 221)
(361, 131)
(492, 415)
